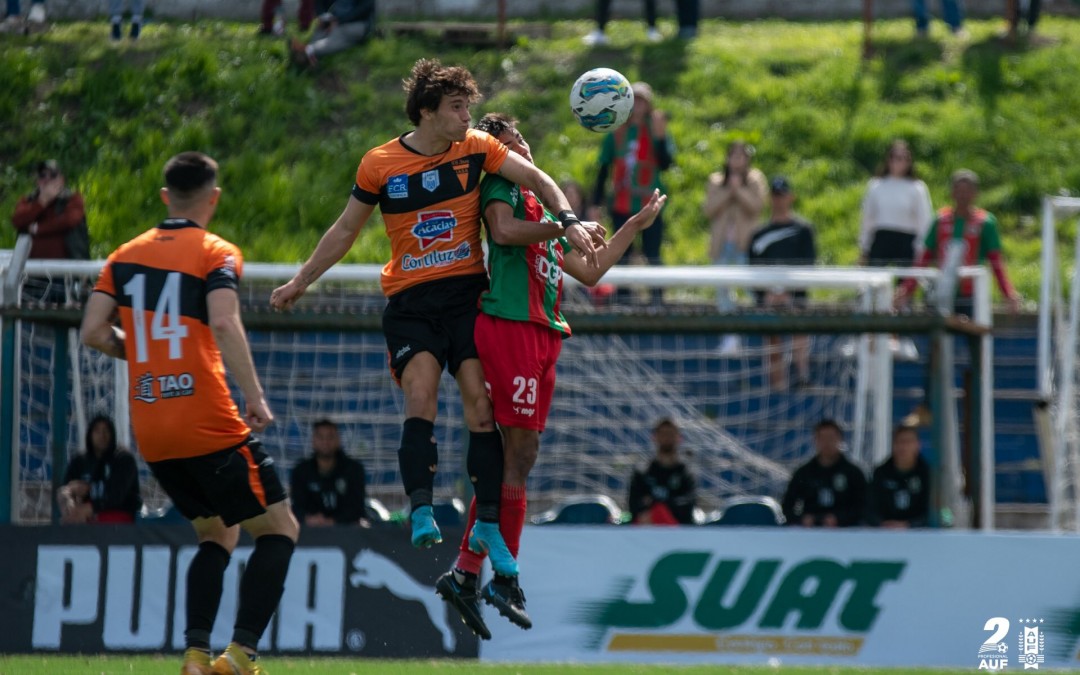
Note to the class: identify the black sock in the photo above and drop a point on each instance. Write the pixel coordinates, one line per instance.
(261, 588)
(418, 457)
(505, 581)
(205, 578)
(485, 466)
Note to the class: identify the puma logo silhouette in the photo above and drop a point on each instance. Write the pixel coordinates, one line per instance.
(372, 570)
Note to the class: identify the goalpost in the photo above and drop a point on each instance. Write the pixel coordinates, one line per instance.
(625, 367)
(1058, 415)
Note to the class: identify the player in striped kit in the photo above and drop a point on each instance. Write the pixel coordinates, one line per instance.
(526, 261)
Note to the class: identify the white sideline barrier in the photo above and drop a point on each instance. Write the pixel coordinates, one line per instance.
(792, 596)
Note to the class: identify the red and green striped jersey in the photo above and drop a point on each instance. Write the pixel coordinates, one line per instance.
(526, 281)
(980, 233)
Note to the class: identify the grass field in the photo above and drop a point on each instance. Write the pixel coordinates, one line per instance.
(289, 143)
(149, 665)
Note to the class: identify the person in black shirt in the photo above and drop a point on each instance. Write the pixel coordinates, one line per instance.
(900, 488)
(328, 488)
(786, 240)
(663, 494)
(102, 484)
(827, 491)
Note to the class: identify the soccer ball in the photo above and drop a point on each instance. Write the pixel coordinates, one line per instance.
(601, 99)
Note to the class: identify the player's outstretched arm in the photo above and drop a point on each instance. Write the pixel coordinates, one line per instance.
(98, 330)
(575, 265)
(223, 308)
(506, 230)
(331, 248)
(518, 170)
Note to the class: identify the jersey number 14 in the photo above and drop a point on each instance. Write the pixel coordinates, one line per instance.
(165, 324)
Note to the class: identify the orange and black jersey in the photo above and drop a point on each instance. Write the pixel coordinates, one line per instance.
(180, 402)
(430, 205)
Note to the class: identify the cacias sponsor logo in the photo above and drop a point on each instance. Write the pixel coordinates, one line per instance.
(433, 227)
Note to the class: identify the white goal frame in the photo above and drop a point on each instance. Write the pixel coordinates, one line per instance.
(874, 288)
(1059, 333)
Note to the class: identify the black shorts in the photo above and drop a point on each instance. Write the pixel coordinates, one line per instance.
(236, 484)
(890, 247)
(437, 317)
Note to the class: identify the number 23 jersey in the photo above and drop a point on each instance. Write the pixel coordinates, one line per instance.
(180, 401)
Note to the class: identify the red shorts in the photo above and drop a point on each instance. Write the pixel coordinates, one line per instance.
(519, 368)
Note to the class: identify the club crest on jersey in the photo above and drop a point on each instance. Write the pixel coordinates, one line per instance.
(398, 186)
(430, 180)
(434, 226)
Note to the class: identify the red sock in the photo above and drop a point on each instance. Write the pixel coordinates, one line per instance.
(468, 561)
(512, 516)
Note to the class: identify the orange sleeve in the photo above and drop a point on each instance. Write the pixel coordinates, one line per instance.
(368, 179)
(105, 279)
(224, 266)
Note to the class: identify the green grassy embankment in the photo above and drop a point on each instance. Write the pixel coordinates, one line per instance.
(289, 143)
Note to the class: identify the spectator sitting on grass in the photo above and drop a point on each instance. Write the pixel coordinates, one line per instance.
(344, 24)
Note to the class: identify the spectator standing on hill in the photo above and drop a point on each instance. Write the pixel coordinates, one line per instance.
(966, 234)
(102, 483)
(663, 494)
(116, 15)
(344, 24)
(896, 211)
(961, 234)
(49, 213)
(900, 488)
(633, 156)
(952, 12)
(13, 23)
(599, 38)
(328, 487)
(734, 201)
(54, 216)
(1027, 11)
(688, 12)
(273, 20)
(827, 491)
(786, 240)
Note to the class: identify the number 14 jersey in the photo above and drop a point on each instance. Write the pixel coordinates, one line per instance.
(180, 401)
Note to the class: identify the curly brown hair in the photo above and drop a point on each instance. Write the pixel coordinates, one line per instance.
(430, 81)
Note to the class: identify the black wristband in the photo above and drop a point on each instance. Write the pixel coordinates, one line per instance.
(568, 218)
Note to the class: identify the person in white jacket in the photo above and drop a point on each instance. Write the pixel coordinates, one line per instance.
(896, 211)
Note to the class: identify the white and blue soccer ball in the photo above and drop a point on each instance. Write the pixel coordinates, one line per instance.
(601, 99)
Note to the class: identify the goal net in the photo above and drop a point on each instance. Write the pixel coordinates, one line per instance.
(630, 363)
